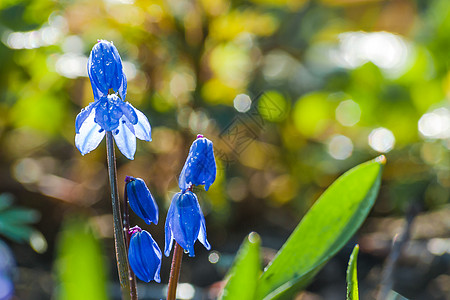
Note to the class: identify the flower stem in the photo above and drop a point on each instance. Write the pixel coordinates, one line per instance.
(121, 251)
(174, 272)
(126, 227)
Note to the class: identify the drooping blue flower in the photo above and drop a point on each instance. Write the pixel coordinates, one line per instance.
(141, 200)
(105, 70)
(110, 113)
(144, 255)
(185, 223)
(200, 166)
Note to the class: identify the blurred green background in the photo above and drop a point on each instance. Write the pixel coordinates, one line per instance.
(292, 93)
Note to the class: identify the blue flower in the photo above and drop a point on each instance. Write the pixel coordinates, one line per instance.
(111, 114)
(144, 255)
(200, 166)
(105, 70)
(185, 223)
(141, 200)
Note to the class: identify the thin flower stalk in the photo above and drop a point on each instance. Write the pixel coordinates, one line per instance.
(119, 239)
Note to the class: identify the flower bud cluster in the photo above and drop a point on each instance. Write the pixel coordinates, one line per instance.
(185, 222)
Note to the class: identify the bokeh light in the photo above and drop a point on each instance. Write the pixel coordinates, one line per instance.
(381, 140)
(340, 147)
(435, 124)
(388, 51)
(242, 103)
(348, 113)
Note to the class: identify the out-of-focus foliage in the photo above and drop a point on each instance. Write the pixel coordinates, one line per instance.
(292, 93)
(79, 264)
(15, 224)
(332, 95)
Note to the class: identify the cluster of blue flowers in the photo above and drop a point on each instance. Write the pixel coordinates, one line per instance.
(185, 222)
(144, 254)
(109, 112)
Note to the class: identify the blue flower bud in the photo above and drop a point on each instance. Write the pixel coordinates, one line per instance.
(141, 200)
(200, 166)
(105, 70)
(185, 223)
(144, 255)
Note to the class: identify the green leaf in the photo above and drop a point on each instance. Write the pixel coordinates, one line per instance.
(80, 267)
(323, 231)
(243, 276)
(352, 278)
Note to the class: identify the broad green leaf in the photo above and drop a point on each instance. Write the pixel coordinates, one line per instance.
(352, 278)
(80, 268)
(323, 231)
(243, 276)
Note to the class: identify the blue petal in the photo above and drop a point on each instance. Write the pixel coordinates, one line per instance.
(91, 134)
(202, 234)
(168, 231)
(108, 112)
(129, 112)
(142, 129)
(200, 166)
(128, 124)
(93, 80)
(83, 115)
(185, 223)
(182, 184)
(145, 256)
(156, 250)
(118, 80)
(123, 88)
(96, 69)
(125, 140)
(210, 163)
(105, 70)
(141, 200)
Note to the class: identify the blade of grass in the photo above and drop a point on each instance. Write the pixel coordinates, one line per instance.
(352, 278)
(246, 269)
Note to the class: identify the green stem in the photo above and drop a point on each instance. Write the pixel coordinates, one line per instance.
(126, 227)
(119, 239)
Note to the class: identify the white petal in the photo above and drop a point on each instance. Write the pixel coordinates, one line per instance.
(125, 140)
(91, 134)
(142, 129)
